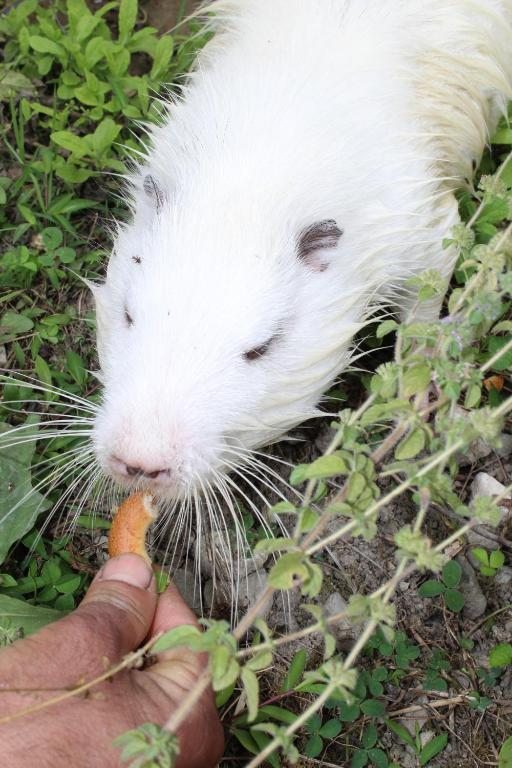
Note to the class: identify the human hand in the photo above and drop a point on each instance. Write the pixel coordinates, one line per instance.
(120, 611)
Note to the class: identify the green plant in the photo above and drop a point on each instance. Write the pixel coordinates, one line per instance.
(489, 563)
(425, 752)
(500, 655)
(446, 586)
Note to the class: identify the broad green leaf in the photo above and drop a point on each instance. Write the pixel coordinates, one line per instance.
(287, 570)
(252, 690)
(314, 746)
(186, 635)
(500, 655)
(411, 445)
(480, 554)
(126, 19)
(454, 600)
(502, 136)
(326, 466)
(378, 758)
(386, 327)
(19, 502)
(76, 367)
(359, 759)
(13, 324)
(451, 574)
(68, 584)
(373, 707)
(433, 748)
(330, 729)
(497, 559)
(13, 83)
(505, 756)
(67, 140)
(416, 379)
(43, 45)
(370, 736)
(17, 614)
(162, 56)
(494, 345)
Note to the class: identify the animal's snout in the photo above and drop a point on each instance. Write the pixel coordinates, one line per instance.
(129, 470)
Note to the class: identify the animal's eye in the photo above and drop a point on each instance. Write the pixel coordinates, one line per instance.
(128, 317)
(257, 352)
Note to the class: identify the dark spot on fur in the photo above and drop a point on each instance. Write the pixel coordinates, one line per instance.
(128, 317)
(318, 236)
(137, 259)
(154, 191)
(257, 352)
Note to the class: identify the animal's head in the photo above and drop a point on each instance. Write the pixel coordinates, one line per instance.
(217, 332)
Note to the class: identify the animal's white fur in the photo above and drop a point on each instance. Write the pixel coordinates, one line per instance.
(369, 112)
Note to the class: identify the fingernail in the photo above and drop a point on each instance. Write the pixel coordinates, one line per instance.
(130, 569)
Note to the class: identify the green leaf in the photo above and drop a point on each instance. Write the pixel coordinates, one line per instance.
(17, 614)
(330, 729)
(162, 56)
(126, 19)
(373, 707)
(378, 758)
(386, 327)
(13, 324)
(102, 138)
(454, 600)
(67, 140)
(326, 466)
(431, 588)
(185, 635)
(433, 748)
(288, 569)
(52, 237)
(411, 445)
(451, 574)
(480, 554)
(370, 736)
(494, 345)
(497, 559)
(43, 45)
(19, 503)
(252, 690)
(314, 746)
(297, 667)
(402, 733)
(359, 759)
(502, 136)
(68, 584)
(416, 379)
(75, 366)
(505, 756)
(500, 655)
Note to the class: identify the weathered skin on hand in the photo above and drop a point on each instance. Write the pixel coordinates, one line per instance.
(114, 618)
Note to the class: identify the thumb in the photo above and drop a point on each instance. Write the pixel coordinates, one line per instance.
(121, 601)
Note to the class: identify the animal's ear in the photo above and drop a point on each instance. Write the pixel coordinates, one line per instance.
(315, 242)
(154, 191)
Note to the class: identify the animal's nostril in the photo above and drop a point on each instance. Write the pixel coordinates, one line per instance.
(134, 470)
(152, 475)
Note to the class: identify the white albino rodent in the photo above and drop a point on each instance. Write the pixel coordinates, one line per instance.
(304, 174)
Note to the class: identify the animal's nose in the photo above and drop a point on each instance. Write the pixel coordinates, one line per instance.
(152, 474)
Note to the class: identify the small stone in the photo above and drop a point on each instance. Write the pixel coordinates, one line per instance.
(486, 485)
(426, 736)
(475, 601)
(404, 586)
(3, 356)
(414, 721)
(216, 544)
(344, 632)
(503, 577)
(189, 588)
